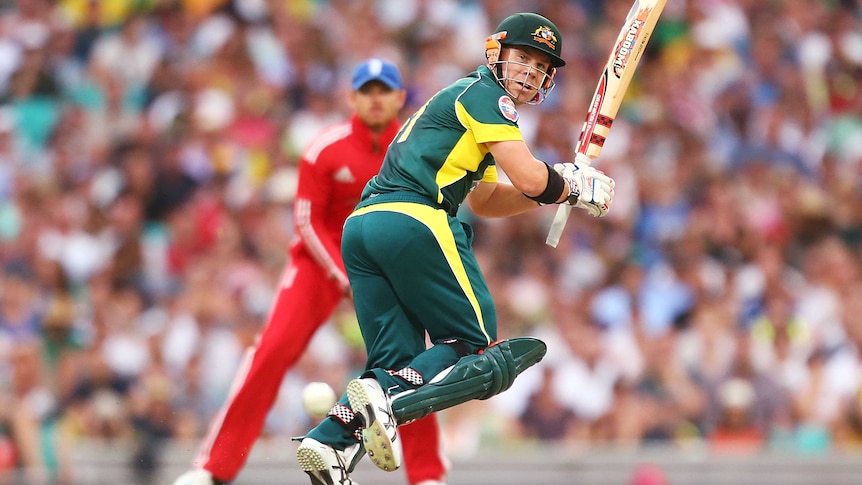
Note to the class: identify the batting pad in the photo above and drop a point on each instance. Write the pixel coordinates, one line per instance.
(477, 376)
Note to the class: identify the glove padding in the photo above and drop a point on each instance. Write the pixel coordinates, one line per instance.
(589, 189)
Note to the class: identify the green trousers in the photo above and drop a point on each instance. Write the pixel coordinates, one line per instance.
(412, 270)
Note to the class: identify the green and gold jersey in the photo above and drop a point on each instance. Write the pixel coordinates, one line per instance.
(441, 150)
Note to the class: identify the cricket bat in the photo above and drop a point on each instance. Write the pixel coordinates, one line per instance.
(618, 73)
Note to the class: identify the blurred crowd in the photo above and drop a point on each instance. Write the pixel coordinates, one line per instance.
(148, 155)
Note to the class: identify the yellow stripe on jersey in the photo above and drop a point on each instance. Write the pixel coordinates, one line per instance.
(490, 174)
(438, 222)
(470, 150)
(465, 157)
(484, 132)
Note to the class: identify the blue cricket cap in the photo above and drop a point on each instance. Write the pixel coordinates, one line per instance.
(376, 69)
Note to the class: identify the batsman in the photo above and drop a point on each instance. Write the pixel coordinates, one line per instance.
(410, 261)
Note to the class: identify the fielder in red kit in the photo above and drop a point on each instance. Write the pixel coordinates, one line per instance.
(332, 173)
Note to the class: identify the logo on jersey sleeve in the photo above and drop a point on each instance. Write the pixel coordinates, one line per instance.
(344, 176)
(507, 107)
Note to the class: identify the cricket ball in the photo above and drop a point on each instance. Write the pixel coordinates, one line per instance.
(317, 399)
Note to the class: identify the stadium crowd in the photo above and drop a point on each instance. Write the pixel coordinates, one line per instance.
(148, 156)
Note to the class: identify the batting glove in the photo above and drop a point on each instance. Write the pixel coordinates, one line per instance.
(589, 189)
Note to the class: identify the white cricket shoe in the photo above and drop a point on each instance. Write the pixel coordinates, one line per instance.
(379, 435)
(195, 477)
(326, 465)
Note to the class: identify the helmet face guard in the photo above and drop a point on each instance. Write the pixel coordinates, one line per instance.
(525, 30)
(517, 81)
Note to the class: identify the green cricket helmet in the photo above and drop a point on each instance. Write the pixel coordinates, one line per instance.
(532, 30)
(527, 30)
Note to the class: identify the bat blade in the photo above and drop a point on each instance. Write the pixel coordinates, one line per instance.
(618, 72)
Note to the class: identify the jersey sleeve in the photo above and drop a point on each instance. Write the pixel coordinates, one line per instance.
(489, 114)
(311, 207)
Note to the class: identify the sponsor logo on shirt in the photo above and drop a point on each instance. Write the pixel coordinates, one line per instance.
(507, 107)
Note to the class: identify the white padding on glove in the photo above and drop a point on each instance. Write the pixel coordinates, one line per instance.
(590, 189)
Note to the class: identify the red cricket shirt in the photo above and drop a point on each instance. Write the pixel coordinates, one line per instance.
(333, 170)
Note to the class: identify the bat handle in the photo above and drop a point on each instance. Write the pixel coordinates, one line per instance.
(558, 224)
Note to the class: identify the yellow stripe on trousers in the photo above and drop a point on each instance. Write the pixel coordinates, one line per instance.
(437, 221)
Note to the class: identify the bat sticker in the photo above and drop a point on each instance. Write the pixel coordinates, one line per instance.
(632, 40)
(593, 113)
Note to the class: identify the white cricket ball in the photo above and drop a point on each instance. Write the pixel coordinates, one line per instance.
(318, 398)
